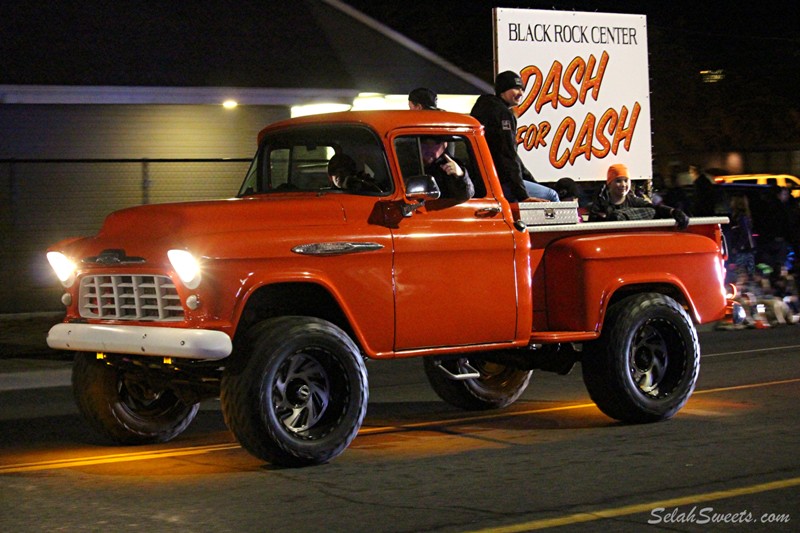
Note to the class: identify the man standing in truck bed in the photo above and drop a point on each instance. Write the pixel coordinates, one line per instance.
(500, 123)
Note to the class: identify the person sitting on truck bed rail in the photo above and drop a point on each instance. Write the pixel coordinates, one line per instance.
(500, 123)
(451, 175)
(616, 202)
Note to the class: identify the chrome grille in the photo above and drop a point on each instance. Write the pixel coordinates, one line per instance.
(128, 297)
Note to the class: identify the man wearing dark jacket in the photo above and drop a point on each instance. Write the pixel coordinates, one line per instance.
(704, 193)
(500, 125)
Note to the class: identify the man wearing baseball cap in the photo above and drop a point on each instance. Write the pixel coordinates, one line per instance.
(423, 98)
(616, 202)
(500, 126)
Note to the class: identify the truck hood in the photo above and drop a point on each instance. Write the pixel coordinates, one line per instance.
(190, 219)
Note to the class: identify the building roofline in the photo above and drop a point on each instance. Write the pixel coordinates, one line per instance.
(415, 47)
(77, 94)
(74, 94)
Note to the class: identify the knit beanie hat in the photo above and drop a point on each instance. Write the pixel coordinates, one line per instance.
(505, 81)
(615, 171)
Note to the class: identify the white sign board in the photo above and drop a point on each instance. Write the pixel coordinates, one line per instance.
(586, 103)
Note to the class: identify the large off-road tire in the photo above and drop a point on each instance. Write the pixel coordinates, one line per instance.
(498, 386)
(300, 396)
(122, 407)
(645, 365)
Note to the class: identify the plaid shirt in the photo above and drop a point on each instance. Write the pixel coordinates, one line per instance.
(632, 208)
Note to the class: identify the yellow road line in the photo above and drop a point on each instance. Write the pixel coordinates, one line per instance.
(197, 450)
(117, 458)
(626, 510)
(494, 416)
(508, 414)
(749, 386)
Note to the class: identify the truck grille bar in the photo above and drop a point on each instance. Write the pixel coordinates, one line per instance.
(130, 297)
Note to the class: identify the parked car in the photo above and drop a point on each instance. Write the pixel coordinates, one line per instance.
(779, 180)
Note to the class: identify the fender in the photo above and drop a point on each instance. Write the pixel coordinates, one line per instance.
(356, 290)
(582, 274)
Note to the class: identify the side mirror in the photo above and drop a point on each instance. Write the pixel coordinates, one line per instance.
(419, 189)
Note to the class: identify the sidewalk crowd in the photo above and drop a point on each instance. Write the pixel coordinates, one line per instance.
(763, 239)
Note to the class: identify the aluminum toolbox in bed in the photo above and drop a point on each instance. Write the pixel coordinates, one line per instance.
(545, 213)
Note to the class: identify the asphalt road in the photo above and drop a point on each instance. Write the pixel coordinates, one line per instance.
(727, 462)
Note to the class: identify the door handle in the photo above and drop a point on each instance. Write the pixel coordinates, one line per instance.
(487, 212)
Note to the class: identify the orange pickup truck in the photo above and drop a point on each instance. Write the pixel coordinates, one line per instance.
(273, 299)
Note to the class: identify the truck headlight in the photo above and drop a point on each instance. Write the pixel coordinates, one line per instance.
(186, 266)
(63, 267)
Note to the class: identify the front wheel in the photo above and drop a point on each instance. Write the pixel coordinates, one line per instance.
(123, 407)
(497, 386)
(646, 363)
(301, 395)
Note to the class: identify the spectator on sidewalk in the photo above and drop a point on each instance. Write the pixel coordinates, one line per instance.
(742, 245)
(704, 197)
(776, 310)
(774, 231)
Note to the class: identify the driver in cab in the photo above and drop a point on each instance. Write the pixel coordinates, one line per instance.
(451, 176)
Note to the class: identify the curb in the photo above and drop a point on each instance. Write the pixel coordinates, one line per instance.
(55, 315)
(36, 379)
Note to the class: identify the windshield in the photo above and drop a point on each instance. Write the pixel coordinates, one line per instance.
(328, 158)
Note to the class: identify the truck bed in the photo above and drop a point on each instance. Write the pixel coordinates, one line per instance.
(570, 260)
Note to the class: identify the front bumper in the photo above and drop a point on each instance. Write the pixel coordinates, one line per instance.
(141, 340)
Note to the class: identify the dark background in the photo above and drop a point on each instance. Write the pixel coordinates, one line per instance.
(757, 45)
(209, 42)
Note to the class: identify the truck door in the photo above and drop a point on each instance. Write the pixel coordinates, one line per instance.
(454, 262)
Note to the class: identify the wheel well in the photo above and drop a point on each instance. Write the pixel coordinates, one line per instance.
(284, 299)
(661, 288)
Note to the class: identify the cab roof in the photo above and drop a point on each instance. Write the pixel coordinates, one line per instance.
(382, 121)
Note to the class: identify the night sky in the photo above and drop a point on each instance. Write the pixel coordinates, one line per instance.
(756, 44)
(756, 38)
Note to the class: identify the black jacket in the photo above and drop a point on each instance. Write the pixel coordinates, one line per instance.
(461, 189)
(632, 208)
(500, 126)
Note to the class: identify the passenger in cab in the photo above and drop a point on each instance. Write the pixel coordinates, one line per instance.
(616, 202)
(340, 166)
(343, 173)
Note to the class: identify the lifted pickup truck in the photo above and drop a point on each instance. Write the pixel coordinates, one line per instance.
(273, 299)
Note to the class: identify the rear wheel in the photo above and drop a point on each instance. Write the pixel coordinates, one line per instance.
(123, 407)
(498, 385)
(301, 395)
(646, 363)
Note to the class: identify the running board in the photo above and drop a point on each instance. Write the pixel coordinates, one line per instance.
(471, 373)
